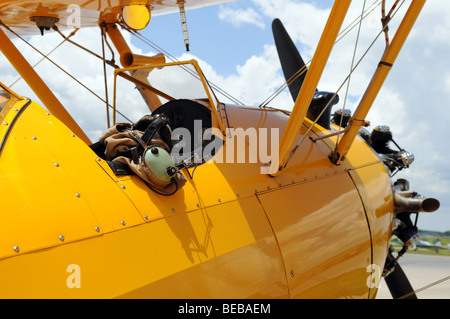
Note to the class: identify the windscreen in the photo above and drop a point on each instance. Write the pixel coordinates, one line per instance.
(4, 98)
(178, 81)
(161, 84)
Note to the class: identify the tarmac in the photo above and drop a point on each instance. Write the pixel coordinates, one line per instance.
(422, 271)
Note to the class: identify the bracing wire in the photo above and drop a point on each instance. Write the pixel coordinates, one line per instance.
(343, 83)
(62, 69)
(341, 35)
(351, 68)
(425, 287)
(174, 59)
(286, 84)
(48, 54)
(355, 22)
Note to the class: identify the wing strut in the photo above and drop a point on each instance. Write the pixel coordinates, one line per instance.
(384, 67)
(38, 86)
(323, 51)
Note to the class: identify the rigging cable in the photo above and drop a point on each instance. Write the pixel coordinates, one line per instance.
(194, 74)
(48, 54)
(109, 62)
(355, 22)
(346, 79)
(63, 70)
(286, 84)
(174, 59)
(425, 287)
(349, 79)
(341, 35)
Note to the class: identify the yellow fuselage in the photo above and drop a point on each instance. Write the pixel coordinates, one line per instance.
(72, 229)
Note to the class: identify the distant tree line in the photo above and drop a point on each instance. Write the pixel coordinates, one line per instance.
(444, 233)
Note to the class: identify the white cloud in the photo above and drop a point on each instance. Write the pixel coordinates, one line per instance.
(447, 83)
(255, 80)
(238, 17)
(303, 21)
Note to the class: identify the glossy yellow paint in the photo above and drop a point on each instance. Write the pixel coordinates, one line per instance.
(164, 240)
(323, 236)
(72, 229)
(44, 166)
(329, 220)
(245, 265)
(374, 187)
(244, 237)
(176, 257)
(51, 188)
(229, 232)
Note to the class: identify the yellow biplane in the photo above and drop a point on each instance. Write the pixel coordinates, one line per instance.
(187, 202)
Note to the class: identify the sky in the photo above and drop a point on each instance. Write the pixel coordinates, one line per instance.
(234, 45)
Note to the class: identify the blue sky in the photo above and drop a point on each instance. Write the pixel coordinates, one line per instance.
(221, 39)
(217, 41)
(234, 45)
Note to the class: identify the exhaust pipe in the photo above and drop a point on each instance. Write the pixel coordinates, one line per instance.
(411, 202)
(406, 202)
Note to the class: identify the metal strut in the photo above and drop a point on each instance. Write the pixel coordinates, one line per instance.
(323, 51)
(377, 82)
(38, 85)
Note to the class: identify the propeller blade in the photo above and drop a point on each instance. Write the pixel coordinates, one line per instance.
(290, 59)
(291, 63)
(397, 282)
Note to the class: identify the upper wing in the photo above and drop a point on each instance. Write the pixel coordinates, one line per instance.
(80, 13)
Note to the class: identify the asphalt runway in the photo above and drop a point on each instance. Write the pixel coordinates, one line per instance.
(423, 270)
